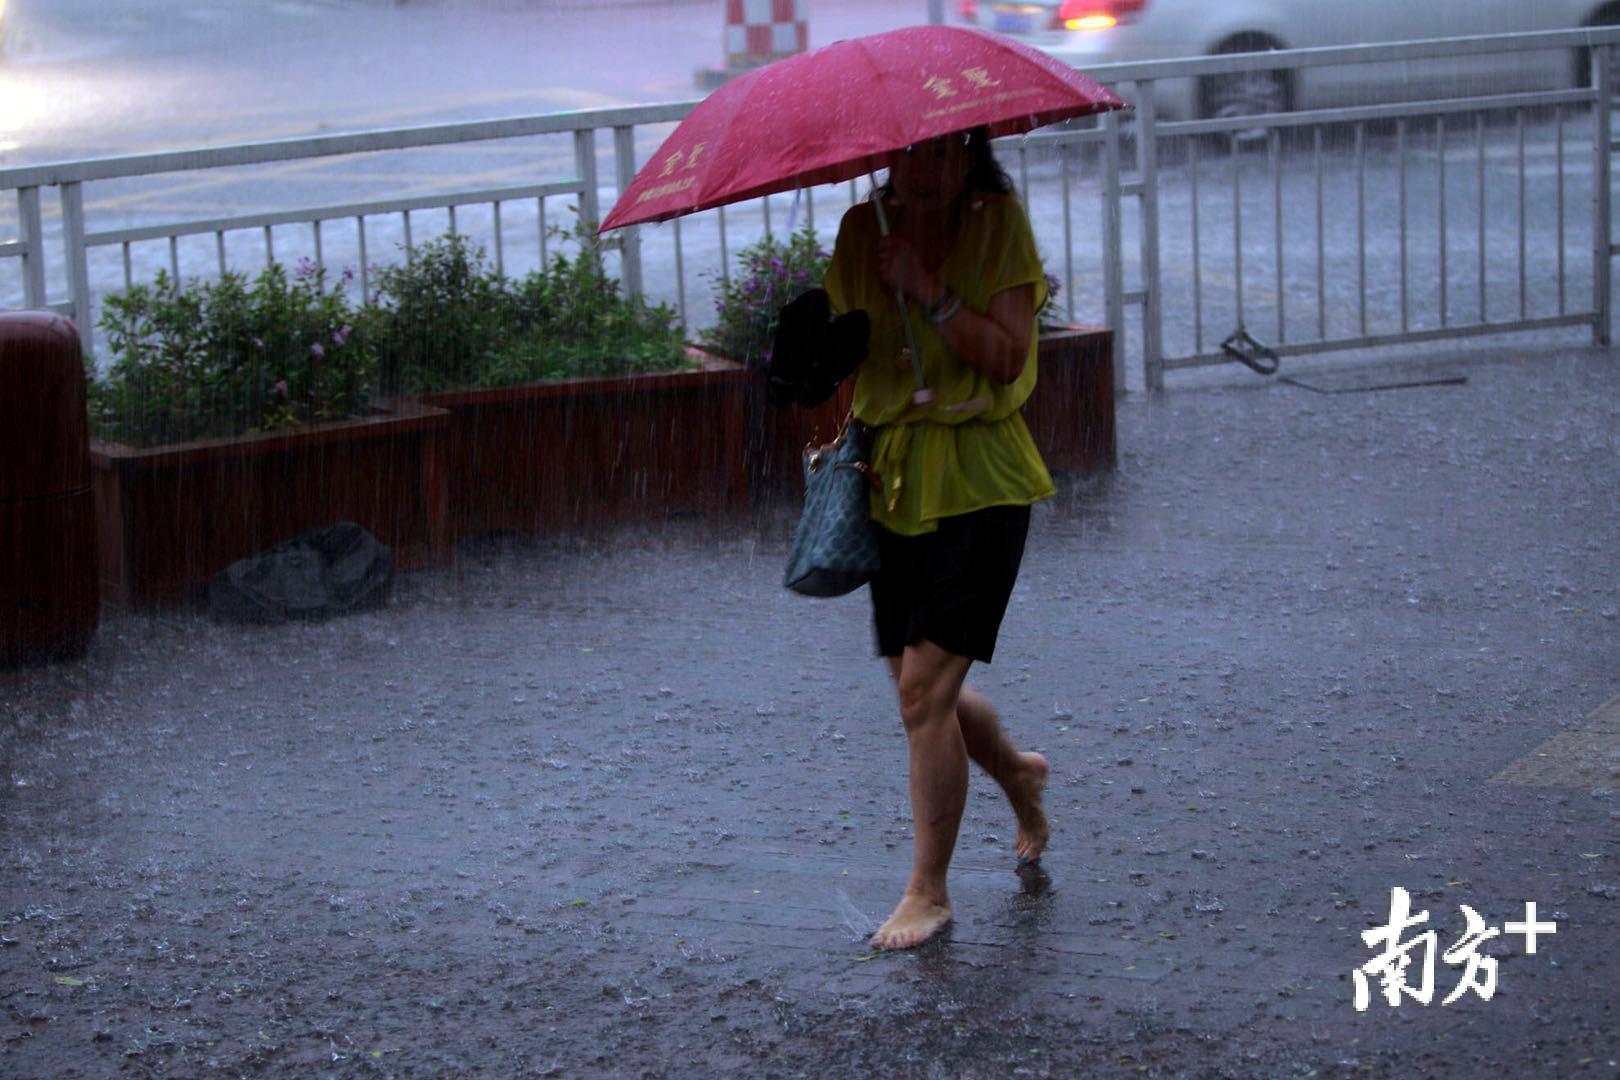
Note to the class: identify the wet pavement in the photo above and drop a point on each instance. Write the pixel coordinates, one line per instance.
(619, 805)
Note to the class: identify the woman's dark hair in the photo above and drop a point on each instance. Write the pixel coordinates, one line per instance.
(985, 172)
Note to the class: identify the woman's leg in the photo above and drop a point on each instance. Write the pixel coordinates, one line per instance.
(1022, 776)
(929, 682)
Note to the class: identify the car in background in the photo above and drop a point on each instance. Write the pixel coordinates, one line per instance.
(1088, 33)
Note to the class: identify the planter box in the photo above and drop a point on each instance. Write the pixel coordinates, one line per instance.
(171, 517)
(1071, 412)
(529, 458)
(576, 452)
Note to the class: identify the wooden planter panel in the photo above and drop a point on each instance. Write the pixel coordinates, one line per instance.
(777, 437)
(579, 452)
(1071, 413)
(169, 518)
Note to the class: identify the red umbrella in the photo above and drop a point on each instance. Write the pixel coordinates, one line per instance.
(839, 111)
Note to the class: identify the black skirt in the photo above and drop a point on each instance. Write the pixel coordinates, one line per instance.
(949, 586)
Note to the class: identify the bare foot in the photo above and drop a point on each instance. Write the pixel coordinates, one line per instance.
(915, 921)
(1024, 792)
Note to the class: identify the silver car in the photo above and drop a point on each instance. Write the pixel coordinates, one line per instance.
(1086, 33)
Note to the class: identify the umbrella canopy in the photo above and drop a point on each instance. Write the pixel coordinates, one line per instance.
(839, 111)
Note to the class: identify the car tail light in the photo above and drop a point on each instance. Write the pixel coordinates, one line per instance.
(1095, 14)
(967, 10)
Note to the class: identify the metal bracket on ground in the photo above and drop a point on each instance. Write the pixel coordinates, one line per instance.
(1243, 348)
(1261, 358)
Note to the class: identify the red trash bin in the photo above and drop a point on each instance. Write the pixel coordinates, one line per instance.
(50, 587)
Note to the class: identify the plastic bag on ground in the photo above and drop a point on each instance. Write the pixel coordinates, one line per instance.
(315, 575)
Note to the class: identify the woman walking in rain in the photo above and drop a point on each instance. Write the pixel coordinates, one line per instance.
(959, 473)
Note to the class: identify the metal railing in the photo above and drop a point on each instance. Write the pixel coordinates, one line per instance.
(79, 241)
(1195, 227)
(1375, 317)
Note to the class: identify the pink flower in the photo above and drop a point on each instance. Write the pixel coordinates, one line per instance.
(280, 387)
(316, 351)
(341, 337)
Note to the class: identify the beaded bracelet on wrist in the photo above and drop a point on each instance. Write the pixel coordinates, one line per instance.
(944, 311)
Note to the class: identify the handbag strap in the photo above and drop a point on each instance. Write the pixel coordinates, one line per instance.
(843, 427)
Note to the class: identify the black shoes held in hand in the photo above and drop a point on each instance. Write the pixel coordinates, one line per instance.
(814, 351)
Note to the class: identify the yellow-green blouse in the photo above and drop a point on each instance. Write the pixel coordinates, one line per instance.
(969, 448)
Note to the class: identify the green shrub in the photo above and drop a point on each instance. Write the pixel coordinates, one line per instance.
(570, 319)
(197, 360)
(769, 274)
(450, 320)
(440, 312)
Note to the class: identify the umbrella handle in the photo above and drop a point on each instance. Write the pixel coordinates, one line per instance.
(922, 395)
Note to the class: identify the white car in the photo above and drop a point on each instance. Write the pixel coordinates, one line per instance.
(1086, 33)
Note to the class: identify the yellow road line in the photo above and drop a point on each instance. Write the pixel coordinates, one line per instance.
(316, 169)
(553, 98)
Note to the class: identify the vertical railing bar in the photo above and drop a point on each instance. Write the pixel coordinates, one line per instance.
(1321, 239)
(1562, 269)
(1113, 247)
(585, 168)
(129, 271)
(33, 234)
(269, 248)
(810, 209)
(854, 192)
(1400, 160)
(725, 259)
(1602, 201)
(452, 209)
(624, 167)
(1277, 230)
(78, 265)
(545, 238)
(1237, 231)
(410, 248)
(1068, 235)
(1197, 247)
(1479, 149)
(1524, 289)
(1440, 141)
(500, 250)
(765, 201)
(174, 258)
(219, 249)
(365, 270)
(680, 273)
(1361, 222)
(1147, 164)
(320, 259)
